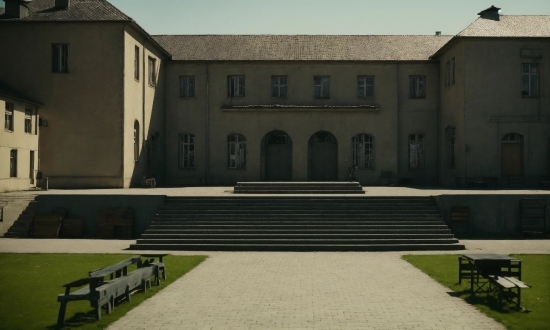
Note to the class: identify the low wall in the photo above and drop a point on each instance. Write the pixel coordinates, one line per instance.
(87, 207)
(491, 216)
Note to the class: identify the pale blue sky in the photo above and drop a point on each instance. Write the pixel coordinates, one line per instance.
(316, 16)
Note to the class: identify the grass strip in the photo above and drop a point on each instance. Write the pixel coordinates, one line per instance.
(535, 271)
(30, 283)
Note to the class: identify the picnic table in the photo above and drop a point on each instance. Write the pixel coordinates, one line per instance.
(493, 272)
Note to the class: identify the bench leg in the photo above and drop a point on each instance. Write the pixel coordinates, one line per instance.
(127, 294)
(61, 315)
(98, 312)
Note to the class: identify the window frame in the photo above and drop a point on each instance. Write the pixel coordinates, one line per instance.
(453, 71)
(529, 74)
(234, 86)
(9, 116)
(137, 51)
(361, 152)
(236, 143)
(136, 141)
(13, 163)
(365, 85)
(152, 65)
(61, 57)
(450, 133)
(414, 86)
(188, 87)
(28, 121)
(418, 162)
(321, 88)
(279, 86)
(186, 151)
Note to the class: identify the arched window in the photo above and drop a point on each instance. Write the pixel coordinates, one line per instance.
(363, 151)
(416, 151)
(136, 141)
(236, 151)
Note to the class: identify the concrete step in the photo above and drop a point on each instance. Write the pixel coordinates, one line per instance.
(298, 247)
(301, 241)
(308, 235)
(375, 225)
(304, 191)
(238, 231)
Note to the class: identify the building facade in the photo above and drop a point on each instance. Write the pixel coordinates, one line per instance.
(122, 105)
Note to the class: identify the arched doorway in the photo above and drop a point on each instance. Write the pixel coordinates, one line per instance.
(322, 157)
(512, 155)
(277, 156)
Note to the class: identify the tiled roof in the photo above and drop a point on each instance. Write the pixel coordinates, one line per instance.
(79, 10)
(8, 91)
(300, 47)
(509, 26)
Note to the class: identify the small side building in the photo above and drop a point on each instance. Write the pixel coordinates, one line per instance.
(18, 140)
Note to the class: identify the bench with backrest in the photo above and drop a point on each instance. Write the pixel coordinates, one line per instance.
(505, 285)
(100, 292)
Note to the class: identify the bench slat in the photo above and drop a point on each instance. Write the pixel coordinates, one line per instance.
(503, 282)
(518, 283)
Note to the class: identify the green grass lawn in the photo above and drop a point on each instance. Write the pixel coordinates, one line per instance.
(30, 283)
(535, 271)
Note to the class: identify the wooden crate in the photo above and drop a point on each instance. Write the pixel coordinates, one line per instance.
(115, 223)
(46, 226)
(72, 228)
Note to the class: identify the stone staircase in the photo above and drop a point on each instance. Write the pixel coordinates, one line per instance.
(300, 223)
(298, 188)
(18, 211)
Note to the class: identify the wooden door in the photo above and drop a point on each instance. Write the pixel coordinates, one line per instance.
(278, 162)
(512, 159)
(323, 157)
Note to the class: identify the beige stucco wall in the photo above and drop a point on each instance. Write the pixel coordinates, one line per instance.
(144, 103)
(189, 116)
(493, 104)
(18, 140)
(81, 147)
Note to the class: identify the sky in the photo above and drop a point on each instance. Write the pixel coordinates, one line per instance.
(388, 17)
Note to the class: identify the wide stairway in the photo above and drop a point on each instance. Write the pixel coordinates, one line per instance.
(303, 223)
(337, 187)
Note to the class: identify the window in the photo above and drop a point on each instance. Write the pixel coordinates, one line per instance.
(28, 121)
(530, 80)
(416, 151)
(363, 151)
(453, 71)
(13, 163)
(187, 151)
(279, 86)
(235, 86)
(136, 141)
(417, 85)
(451, 140)
(136, 63)
(152, 71)
(8, 118)
(448, 74)
(236, 151)
(187, 87)
(365, 86)
(60, 58)
(321, 87)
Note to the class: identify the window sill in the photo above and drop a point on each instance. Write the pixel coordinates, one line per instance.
(8, 130)
(237, 169)
(365, 97)
(417, 98)
(152, 86)
(186, 168)
(136, 79)
(188, 98)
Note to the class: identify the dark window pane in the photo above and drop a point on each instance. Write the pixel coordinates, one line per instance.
(283, 91)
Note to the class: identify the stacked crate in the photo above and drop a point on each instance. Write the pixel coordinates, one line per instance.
(72, 228)
(46, 226)
(115, 223)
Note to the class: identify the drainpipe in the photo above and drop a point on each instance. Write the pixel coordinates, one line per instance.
(398, 175)
(207, 124)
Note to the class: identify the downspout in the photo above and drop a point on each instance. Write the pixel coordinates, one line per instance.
(207, 124)
(439, 158)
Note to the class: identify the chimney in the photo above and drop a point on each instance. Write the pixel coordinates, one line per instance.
(490, 13)
(17, 8)
(438, 33)
(62, 4)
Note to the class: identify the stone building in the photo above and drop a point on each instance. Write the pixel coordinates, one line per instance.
(217, 109)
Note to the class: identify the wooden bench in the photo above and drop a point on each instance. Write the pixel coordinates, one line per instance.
(100, 292)
(506, 286)
(160, 267)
